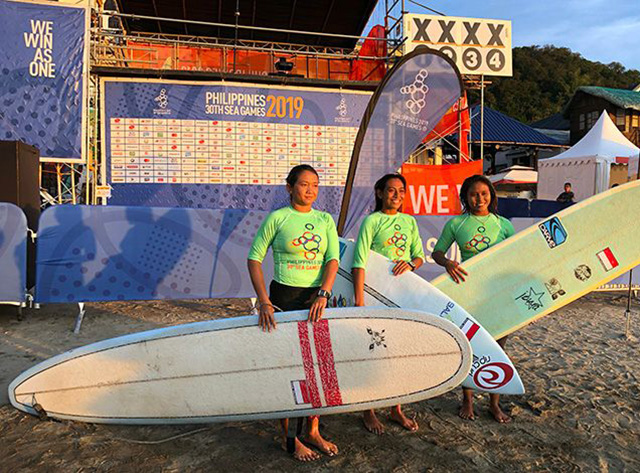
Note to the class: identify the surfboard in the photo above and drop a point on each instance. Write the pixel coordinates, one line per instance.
(552, 263)
(491, 371)
(229, 370)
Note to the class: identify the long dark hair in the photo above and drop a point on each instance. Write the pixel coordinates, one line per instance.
(382, 183)
(295, 172)
(464, 191)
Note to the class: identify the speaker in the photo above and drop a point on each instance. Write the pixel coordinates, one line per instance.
(20, 185)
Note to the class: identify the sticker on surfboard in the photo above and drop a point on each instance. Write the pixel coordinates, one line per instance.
(607, 259)
(553, 232)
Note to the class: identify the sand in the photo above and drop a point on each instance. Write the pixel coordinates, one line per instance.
(581, 411)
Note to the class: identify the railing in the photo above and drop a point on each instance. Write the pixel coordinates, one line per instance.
(191, 53)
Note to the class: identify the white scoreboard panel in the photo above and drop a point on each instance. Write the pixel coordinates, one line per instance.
(477, 46)
(178, 151)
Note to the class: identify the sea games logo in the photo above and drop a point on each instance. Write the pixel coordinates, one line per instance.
(309, 241)
(163, 103)
(417, 93)
(343, 112)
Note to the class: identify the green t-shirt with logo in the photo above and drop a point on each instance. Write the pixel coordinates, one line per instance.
(302, 242)
(474, 234)
(394, 236)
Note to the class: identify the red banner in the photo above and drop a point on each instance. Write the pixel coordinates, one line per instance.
(434, 190)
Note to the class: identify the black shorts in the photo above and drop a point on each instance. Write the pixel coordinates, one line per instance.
(290, 297)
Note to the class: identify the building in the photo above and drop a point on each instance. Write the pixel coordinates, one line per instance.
(588, 102)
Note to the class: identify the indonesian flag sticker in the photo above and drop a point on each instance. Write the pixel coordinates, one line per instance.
(607, 259)
(469, 328)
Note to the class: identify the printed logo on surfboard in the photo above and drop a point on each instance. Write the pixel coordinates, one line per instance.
(607, 259)
(530, 299)
(554, 288)
(553, 232)
(582, 272)
(377, 339)
(493, 375)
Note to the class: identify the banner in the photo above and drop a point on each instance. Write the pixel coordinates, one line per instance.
(43, 77)
(224, 145)
(435, 190)
(407, 104)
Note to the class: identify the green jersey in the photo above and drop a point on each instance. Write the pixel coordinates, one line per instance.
(394, 236)
(474, 234)
(302, 243)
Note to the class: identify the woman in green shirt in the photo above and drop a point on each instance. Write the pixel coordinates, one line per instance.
(306, 254)
(393, 234)
(477, 229)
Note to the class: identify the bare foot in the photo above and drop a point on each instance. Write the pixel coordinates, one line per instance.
(372, 423)
(499, 415)
(398, 416)
(466, 411)
(303, 453)
(326, 447)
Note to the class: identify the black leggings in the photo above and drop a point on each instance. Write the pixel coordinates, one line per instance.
(290, 297)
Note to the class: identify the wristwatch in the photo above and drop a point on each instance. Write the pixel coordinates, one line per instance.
(413, 266)
(323, 293)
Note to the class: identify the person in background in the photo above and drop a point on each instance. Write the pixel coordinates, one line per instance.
(567, 196)
(476, 230)
(393, 234)
(306, 255)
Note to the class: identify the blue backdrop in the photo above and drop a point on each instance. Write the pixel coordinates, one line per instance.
(227, 112)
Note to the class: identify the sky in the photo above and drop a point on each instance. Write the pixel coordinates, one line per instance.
(600, 30)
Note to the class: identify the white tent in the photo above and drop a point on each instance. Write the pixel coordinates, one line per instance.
(515, 175)
(586, 165)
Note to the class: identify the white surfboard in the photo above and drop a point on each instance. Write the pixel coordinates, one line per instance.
(229, 370)
(491, 371)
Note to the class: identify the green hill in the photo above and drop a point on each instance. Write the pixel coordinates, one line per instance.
(544, 79)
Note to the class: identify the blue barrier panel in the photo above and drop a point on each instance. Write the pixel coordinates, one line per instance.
(510, 208)
(545, 208)
(88, 253)
(13, 253)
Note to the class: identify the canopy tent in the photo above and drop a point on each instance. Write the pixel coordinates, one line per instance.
(515, 175)
(587, 164)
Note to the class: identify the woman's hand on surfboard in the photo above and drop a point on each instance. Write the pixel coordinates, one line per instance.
(265, 318)
(456, 271)
(401, 267)
(317, 309)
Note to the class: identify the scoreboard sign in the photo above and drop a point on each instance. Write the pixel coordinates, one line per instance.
(477, 46)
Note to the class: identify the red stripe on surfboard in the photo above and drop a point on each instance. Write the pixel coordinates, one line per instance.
(307, 362)
(328, 375)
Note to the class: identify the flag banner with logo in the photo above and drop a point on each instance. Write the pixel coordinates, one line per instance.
(407, 104)
(43, 77)
(224, 145)
(435, 190)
